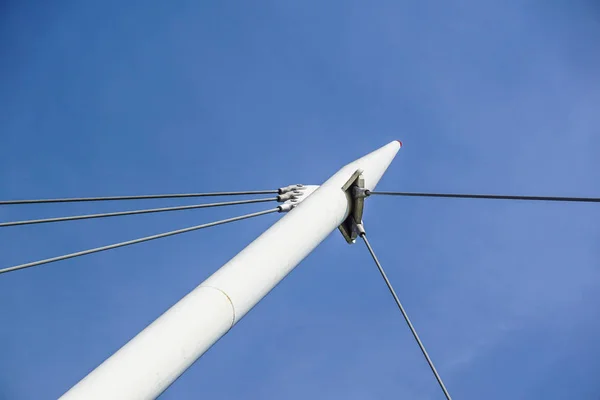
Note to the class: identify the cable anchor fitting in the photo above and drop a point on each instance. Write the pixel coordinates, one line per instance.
(293, 197)
(290, 188)
(294, 194)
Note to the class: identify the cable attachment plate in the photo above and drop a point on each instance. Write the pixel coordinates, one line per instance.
(356, 193)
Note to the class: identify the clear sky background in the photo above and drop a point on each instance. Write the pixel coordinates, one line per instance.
(140, 97)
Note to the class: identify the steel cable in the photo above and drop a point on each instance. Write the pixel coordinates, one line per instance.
(140, 197)
(134, 212)
(488, 196)
(135, 241)
(405, 315)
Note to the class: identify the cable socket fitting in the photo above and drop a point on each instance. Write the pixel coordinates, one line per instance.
(286, 207)
(294, 194)
(360, 193)
(290, 188)
(294, 197)
(360, 229)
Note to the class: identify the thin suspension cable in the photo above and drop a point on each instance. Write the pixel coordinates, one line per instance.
(135, 241)
(405, 315)
(141, 197)
(490, 196)
(134, 212)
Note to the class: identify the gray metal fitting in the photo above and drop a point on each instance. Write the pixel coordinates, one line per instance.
(286, 207)
(290, 188)
(358, 192)
(360, 229)
(287, 196)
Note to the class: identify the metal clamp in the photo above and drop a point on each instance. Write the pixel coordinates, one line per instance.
(355, 189)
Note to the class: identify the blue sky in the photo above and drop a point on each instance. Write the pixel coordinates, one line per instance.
(111, 98)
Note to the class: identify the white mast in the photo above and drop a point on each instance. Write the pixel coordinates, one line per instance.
(157, 356)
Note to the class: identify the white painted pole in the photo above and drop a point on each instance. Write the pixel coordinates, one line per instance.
(157, 356)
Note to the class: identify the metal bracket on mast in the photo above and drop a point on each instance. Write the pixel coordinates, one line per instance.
(355, 190)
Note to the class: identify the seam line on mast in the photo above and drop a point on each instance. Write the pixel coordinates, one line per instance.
(228, 299)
